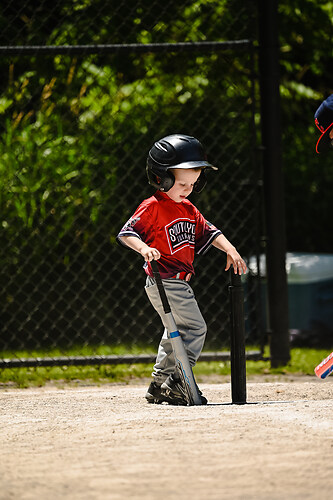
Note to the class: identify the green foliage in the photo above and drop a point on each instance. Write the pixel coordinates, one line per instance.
(65, 133)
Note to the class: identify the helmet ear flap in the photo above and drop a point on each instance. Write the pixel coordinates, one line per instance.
(167, 182)
(163, 180)
(200, 183)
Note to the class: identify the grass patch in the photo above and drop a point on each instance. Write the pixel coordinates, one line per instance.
(81, 350)
(64, 375)
(303, 362)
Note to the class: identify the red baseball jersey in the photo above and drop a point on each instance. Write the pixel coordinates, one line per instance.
(177, 230)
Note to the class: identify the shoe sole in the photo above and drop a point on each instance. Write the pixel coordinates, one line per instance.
(170, 398)
(157, 400)
(152, 400)
(178, 400)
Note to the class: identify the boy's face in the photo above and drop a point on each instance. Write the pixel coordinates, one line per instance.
(184, 182)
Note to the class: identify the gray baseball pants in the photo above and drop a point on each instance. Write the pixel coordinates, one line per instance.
(188, 318)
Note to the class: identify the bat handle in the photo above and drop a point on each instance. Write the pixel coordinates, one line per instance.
(158, 279)
(156, 272)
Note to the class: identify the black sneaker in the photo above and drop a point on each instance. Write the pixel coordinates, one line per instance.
(174, 393)
(153, 394)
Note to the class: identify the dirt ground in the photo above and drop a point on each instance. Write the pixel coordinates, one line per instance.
(106, 442)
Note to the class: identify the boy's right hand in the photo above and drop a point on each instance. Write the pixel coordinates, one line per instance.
(150, 254)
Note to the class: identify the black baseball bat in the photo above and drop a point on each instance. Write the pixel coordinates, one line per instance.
(182, 362)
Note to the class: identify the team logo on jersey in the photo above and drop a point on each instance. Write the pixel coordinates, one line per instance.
(131, 223)
(180, 233)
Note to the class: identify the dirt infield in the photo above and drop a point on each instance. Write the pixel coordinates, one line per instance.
(107, 443)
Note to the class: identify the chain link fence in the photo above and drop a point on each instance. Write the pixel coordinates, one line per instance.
(89, 87)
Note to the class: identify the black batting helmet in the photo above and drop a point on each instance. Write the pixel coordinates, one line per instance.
(176, 151)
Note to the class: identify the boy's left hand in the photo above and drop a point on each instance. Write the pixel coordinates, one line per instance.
(235, 260)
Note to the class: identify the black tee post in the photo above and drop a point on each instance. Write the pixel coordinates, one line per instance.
(237, 340)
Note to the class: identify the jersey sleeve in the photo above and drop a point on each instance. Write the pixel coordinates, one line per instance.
(140, 225)
(205, 234)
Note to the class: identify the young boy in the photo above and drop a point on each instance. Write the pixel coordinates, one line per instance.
(168, 228)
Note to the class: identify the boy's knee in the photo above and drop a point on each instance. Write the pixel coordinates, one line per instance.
(200, 329)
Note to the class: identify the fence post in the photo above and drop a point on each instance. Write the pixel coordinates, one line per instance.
(277, 287)
(237, 340)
